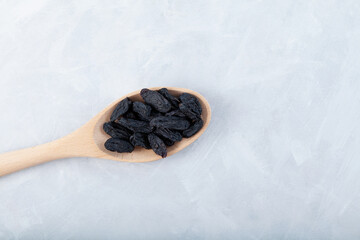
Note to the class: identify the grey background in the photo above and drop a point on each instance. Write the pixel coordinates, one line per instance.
(280, 159)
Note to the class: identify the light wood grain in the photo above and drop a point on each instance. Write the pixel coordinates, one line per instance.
(88, 141)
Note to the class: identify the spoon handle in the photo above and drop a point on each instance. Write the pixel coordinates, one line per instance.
(17, 160)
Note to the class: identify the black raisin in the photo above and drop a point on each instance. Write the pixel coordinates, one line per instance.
(187, 111)
(190, 105)
(157, 145)
(130, 114)
(176, 112)
(168, 142)
(143, 110)
(169, 134)
(156, 100)
(155, 113)
(171, 122)
(140, 139)
(193, 129)
(118, 145)
(173, 100)
(135, 125)
(120, 109)
(116, 131)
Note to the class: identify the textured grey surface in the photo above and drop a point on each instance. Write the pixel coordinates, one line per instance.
(280, 159)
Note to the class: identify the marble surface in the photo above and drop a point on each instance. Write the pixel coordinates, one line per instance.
(280, 159)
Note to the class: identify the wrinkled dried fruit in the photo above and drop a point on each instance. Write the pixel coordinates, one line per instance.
(193, 129)
(176, 112)
(191, 102)
(190, 106)
(116, 131)
(135, 125)
(168, 142)
(155, 113)
(130, 114)
(187, 111)
(156, 100)
(140, 139)
(171, 122)
(159, 122)
(120, 109)
(143, 110)
(173, 100)
(157, 145)
(118, 145)
(169, 134)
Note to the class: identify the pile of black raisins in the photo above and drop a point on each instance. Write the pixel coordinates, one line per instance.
(159, 122)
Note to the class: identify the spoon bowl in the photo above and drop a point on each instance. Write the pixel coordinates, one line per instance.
(88, 140)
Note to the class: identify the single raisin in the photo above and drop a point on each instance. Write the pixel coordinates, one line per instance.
(135, 125)
(143, 110)
(116, 131)
(120, 109)
(169, 134)
(156, 100)
(171, 122)
(190, 105)
(130, 114)
(118, 145)
(187, 111)
(140, 139)
(157, 145)
(193, 129)
(173, 100)
(168, 142)
(176, 112)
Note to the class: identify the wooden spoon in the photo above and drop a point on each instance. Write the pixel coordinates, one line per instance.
(88, 141)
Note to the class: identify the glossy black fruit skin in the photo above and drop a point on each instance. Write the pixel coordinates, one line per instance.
(121, 109)
(143, 110)
(116, 131)
(118, 145)
(193, 129)
(168, 134)
(155, 100)
(173, 100)
(140, 139)
(171, 122)
(157, 145)
(135, 125)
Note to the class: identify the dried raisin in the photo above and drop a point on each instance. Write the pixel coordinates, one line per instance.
(143, 110)
(169, 134)
(173, 100)
(140, 139)
(156, 100)
(135, 125)
(193, 129)
(159, 122)
(171, 122)
(120, 109)
(157, 145)
(176, 112)
(116, 131)
(168, 142)
(187, 111)
(118, 145)
(130, 114)
(191, 102)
